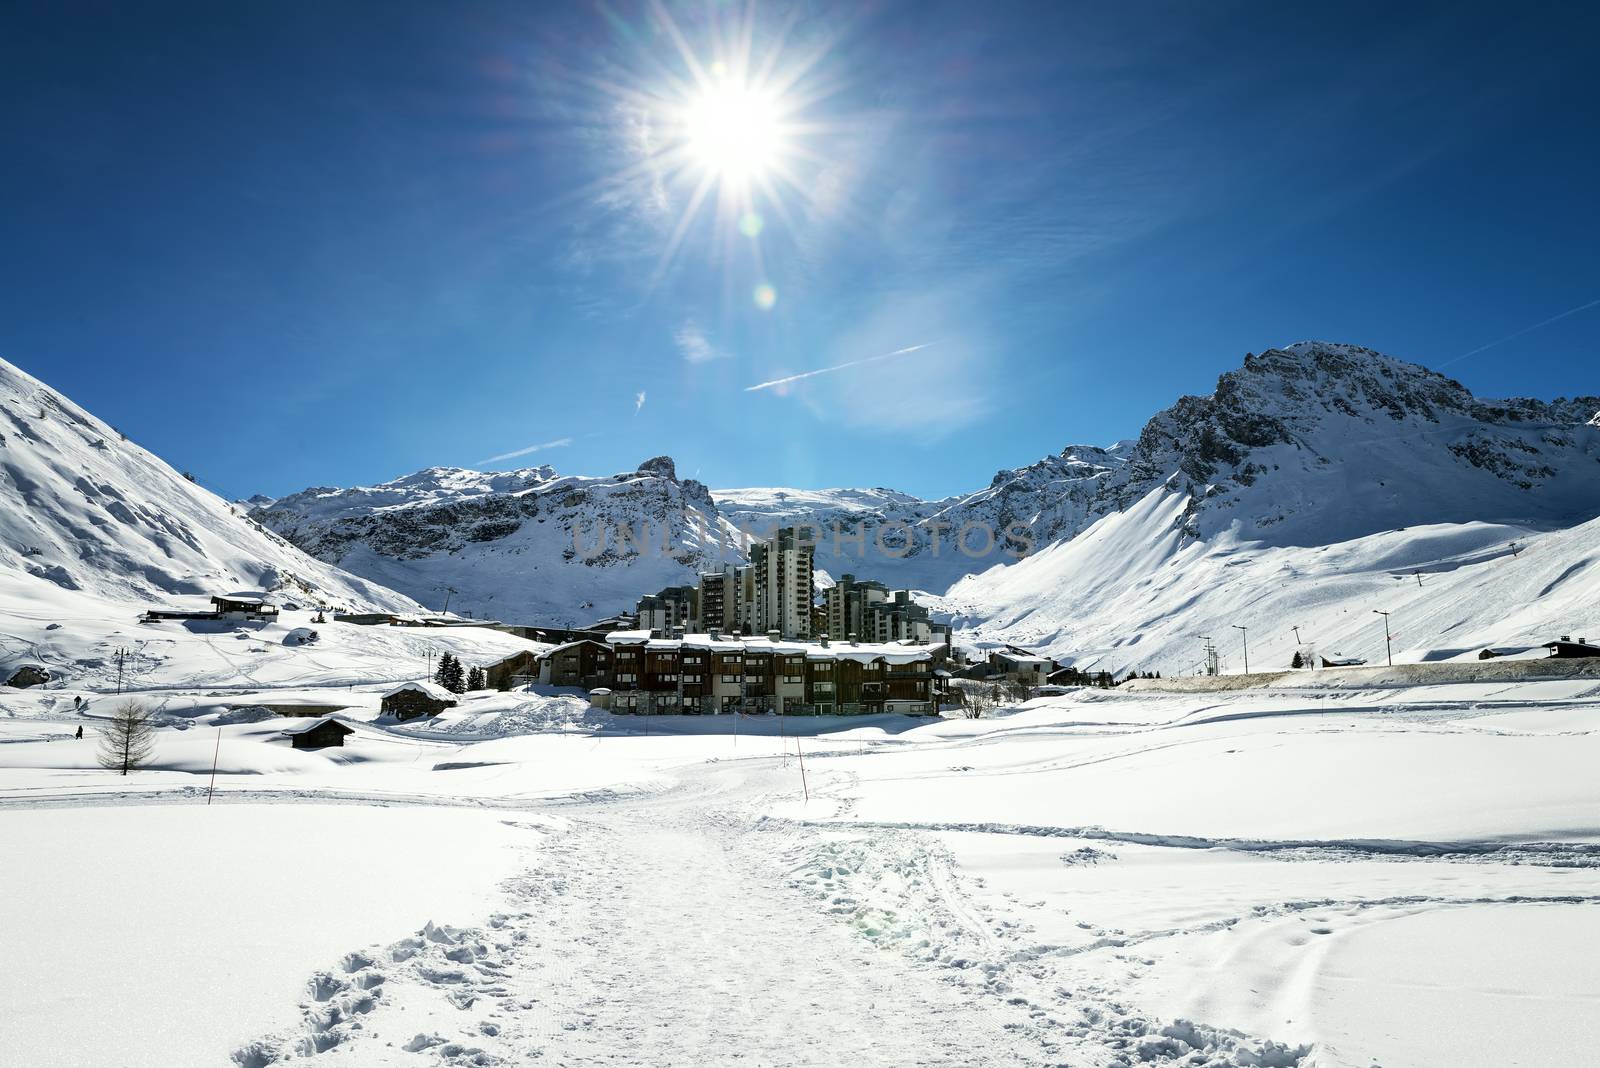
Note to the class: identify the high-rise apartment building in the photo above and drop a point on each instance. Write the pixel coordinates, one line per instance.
(784, 583)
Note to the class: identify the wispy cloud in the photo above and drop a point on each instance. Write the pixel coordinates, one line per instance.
(836, 367)
(638, 401)
(693, 343)
(514, 453)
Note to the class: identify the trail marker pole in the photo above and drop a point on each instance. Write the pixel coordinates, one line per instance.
(214, 753)
(802, 757)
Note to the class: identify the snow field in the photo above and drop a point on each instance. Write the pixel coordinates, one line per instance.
(1100, 878)
(162, 935)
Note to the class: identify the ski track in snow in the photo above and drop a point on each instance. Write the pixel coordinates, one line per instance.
(682, 928)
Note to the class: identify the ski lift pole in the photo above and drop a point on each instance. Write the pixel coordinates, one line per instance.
(806, 789)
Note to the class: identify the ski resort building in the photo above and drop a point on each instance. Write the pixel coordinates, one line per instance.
(719, 673)
(722, 599)
(669, 611)
(584, 663)
(230, 607)
(1021, 666)
(413, 700)
(784, 580)
(245, 606)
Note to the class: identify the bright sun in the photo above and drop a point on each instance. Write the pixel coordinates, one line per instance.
(734, 131)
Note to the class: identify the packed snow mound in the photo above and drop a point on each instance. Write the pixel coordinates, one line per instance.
(83, 509)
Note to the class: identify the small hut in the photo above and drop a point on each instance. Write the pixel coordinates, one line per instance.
(246, 605)
(319, 734)
(413, 700)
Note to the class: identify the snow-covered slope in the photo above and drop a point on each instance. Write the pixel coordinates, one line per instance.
(84, 510)
(1318, 484)
(521, 546)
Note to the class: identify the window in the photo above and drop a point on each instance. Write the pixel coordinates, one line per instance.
(794, 680)
(730, 678)
(668, 676)
(627, 676)
(822, 687)
(691, 678)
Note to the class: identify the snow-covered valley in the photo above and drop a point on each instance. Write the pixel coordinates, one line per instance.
(1399, 876)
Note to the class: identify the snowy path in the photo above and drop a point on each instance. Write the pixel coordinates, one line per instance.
(680, 929)
(652, 938)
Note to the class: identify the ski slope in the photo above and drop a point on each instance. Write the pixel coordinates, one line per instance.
(1133, 592)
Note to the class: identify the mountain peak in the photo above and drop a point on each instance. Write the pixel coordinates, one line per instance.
(660, 467)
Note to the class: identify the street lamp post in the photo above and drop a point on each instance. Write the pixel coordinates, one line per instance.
(1244, 636)
(1388, 649)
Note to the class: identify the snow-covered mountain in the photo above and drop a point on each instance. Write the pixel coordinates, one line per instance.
(522, 546)
(1312, 445)
(1318, 484)
(85, 512)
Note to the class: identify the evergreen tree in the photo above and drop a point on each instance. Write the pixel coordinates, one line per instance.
(1298, 661)
(476, 679)
(450, 674)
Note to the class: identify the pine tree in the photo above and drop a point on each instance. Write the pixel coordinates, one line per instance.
(476, 679)
(457, 681)
(1298, 661)
(449, 673)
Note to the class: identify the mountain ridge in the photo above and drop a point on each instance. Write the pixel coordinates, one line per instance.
(1312, 442)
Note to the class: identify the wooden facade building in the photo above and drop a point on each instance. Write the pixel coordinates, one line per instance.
(413, 700)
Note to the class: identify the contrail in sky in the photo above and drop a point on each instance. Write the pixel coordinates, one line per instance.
(556, 444)
(836, 367)
(1524, 330)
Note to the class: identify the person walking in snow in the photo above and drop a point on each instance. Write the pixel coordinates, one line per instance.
(77, 704)
(80, 732)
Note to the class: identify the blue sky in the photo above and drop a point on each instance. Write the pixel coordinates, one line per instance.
(302, 244)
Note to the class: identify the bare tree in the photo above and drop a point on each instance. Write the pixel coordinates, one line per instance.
(128, 738)
(1019, 690)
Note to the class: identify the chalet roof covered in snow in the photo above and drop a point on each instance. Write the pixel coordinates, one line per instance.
(427, 689)
(247, 597)
(310, 725)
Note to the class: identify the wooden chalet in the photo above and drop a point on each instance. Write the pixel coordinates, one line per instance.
(414, 700)
(586, 663)
(1567, 649)
(319, 734)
